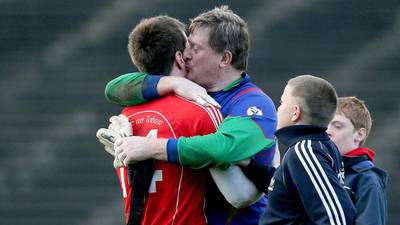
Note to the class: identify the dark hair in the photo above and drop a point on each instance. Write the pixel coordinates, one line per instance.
(153, 43)
(318, 99)
(227, 32)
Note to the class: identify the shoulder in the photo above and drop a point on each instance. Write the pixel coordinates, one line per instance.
(311, 152)
(192, 113)
(370, 178)
(191, 109)
(251, 92)
(251, 100)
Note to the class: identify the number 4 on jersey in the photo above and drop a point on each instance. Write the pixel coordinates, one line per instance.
(157, 176)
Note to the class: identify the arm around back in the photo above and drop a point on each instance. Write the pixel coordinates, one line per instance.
(237, 138)
(132, 89)
(228, 181)
(138, 88)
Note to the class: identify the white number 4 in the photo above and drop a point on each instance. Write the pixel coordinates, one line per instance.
(157, 176)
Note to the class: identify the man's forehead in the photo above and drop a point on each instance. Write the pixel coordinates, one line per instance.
(199, 34)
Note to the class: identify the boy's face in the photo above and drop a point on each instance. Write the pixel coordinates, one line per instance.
(286, 109)
(343, 133)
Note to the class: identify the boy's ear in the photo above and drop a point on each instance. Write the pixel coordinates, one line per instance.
(296, 114)
(179, 60)
(361, 135)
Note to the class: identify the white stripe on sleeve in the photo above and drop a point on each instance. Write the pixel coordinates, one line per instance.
(313, 175)
(337, 203)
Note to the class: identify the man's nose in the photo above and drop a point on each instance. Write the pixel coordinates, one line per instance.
(186, 55)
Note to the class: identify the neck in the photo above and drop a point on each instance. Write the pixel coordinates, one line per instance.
(176, 71)
(224, 80)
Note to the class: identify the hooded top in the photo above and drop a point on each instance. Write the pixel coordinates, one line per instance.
(367, 186)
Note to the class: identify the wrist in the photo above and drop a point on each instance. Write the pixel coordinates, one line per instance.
(166, 85)
(159, 152)
(149, 89)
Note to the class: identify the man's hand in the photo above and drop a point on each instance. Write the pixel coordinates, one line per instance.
(186, 89)
(133, 149)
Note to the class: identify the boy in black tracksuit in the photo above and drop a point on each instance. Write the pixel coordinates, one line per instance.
(307, 187)
(366, 183)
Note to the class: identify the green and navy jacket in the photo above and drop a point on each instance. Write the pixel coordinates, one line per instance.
(246, 132)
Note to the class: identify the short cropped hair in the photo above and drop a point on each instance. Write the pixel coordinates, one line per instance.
(227, 32)
(318, 99)
(357, 112)
(152, 44)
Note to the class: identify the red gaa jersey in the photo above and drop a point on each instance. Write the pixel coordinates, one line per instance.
(176, 193)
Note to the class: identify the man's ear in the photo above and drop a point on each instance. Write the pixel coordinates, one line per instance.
(296, 114)
(226, 59)
(179, 60)
(361, 134)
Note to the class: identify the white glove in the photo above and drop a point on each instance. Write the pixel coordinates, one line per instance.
(107, 137)
(119, 127)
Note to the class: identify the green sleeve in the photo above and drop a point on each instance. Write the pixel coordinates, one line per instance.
(237, 138)
(126, 89)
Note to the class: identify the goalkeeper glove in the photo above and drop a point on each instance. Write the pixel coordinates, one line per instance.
(119, 127)
(107, 137)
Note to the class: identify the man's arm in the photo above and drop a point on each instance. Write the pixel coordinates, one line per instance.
(228, 181)
(237, 138)
(248, 133)
(134, 149)
(313, 178)
(138, 88)
(132, 89)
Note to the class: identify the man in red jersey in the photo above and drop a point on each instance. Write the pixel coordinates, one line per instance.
(176, 193)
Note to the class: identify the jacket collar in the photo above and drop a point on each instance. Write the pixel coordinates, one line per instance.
(239, 82)
(357, 163)
(362, 151)
(290, 135)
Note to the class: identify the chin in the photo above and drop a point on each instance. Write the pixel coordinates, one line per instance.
(190, 76)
